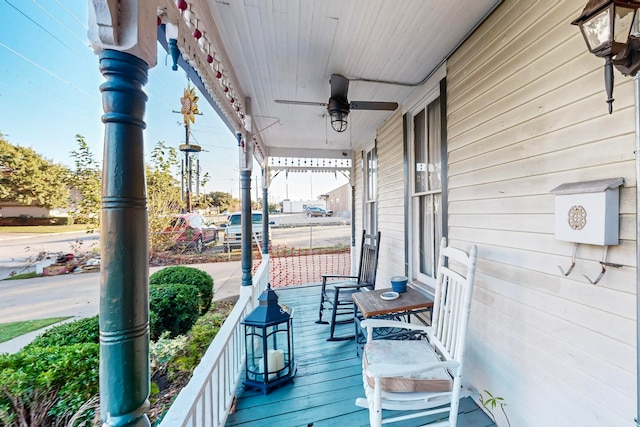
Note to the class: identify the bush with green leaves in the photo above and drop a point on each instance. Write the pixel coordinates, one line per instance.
(198, 340)
(187, 276)
(173, 307)
(43, 386)
(77, 332)
(162, 350)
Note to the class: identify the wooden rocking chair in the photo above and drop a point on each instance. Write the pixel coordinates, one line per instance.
(336, 295)
(423, 374)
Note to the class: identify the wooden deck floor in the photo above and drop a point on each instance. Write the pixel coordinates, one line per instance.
(327, 382)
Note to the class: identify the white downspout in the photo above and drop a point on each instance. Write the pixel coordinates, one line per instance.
(636, 91)
(636, 87)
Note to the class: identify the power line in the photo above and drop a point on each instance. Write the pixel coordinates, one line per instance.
(59, 106)
(60, 22)
(82, 23)
(156, 97)
(38, 25)
(51, 73)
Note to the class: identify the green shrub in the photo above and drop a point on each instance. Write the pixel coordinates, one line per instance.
(187, 276)
(199, 339)
(77, 332)
(162, 350)
(27, 220)
(44, 386)
(173, 307)
(61, 220)
(81, 219)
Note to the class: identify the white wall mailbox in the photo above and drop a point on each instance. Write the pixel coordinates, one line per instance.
(587, 212)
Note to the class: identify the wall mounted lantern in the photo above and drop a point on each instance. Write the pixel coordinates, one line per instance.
(606, 27)
(269, 343)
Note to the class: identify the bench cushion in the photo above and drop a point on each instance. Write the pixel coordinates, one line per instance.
(394, 351)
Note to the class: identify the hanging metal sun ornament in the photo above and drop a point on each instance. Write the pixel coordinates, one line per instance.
(189, 105)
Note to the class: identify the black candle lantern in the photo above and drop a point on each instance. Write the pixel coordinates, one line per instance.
(268, 334)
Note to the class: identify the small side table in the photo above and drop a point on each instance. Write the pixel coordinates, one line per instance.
(370, 304)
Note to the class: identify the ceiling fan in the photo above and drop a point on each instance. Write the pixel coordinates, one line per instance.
(339, 106)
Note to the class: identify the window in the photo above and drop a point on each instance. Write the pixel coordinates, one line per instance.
(196, 221)
(235, 219)
(370, 159)
(426, 191)
(256, 218)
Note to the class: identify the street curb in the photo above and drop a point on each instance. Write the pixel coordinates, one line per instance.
(3, 236)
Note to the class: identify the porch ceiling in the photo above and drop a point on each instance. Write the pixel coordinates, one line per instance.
(288, 49)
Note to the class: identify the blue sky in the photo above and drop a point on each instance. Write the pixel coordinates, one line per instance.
(49, 82)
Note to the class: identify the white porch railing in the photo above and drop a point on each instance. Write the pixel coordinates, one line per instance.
(207, 398)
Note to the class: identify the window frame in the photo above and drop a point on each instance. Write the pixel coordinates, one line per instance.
(415, 197)
(370, 188)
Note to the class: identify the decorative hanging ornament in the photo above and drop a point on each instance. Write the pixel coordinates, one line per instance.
(197, 33)
(182, 5)
(189, 105)
(209, 58)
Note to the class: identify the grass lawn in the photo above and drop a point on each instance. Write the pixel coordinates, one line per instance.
(43, 229)
(15, 329)
(20, 276)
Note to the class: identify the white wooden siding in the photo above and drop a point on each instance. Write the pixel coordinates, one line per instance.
(526, 112)
(390, 201)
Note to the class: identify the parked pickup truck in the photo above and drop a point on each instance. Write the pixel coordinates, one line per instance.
(233, 230)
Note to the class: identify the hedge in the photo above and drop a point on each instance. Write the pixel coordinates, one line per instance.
(80, 331)
(173, 308)
(43, 386)
(187, 276)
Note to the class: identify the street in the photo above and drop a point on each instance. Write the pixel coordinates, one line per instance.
(77, 294)
(42, 297)
(18, 253)
(311, 236)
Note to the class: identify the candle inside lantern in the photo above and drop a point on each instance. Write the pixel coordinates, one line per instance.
(275, 360)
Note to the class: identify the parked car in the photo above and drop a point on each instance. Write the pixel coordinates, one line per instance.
(318, 211)
(192, 230)
(233, 229)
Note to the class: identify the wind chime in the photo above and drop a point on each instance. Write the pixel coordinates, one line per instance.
(189, 110)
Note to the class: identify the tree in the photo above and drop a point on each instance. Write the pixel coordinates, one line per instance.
(86, 182)
(163, 194)
(273, 208)
(27, 177)
(221, 200)
(202, 201)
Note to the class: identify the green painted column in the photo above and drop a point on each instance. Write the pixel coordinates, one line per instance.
(246, 225)
(124, 294)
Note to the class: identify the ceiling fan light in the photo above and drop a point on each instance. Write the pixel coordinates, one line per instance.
(339, 120)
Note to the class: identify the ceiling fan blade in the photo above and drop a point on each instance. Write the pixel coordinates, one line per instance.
(313, 104)
(339, 86)
(373, 105)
